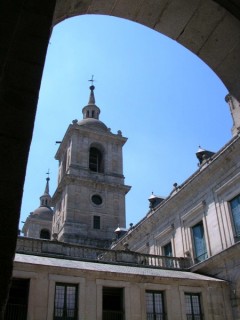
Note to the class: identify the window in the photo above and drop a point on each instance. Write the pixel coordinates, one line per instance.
(155, 305)
(167, 252)
(199, 242)
(95, 160)
(45, 234)
(96, 199)
(235, 208)
(193, 306)
(96, 222)
(17, 305)
(65, 305)
(112, 304)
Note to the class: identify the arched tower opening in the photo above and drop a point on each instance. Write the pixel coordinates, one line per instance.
(96, 160)
(45, 234)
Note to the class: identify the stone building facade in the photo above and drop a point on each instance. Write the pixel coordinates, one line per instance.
(199, 220)
(119, 291)
(181, 261)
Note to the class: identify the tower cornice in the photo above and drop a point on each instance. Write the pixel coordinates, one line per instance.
(88, 132)
(72, 179)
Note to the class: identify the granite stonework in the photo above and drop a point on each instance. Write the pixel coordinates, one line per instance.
(90, 184)
(85, 251)
(91, 278)
(203, 198)
(209, 29)
(90, 165)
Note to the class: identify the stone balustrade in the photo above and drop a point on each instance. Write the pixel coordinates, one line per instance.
(55, 249)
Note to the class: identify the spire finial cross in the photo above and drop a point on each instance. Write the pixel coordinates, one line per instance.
(48, 173)
(92, 80)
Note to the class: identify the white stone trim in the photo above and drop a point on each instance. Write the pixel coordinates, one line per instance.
(164, 233)
(194, 214)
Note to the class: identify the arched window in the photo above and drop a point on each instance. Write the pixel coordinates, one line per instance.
(95, 160)
(45, 234)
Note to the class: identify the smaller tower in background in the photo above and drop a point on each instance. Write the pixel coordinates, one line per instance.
(39, 223)
(235, 112)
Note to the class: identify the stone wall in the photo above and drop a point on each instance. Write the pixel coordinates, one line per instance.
(44, 273)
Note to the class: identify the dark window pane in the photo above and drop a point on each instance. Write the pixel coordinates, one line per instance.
(199, 242)
(113, 303)
(45, 234)
(65, 305)
(96, 222)
(193, 306)
(17, 305)
(95, 160)
(96, 199)
(235, 208)
(167, 250)
(154, 305)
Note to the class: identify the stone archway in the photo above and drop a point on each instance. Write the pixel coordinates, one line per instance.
(208, 28)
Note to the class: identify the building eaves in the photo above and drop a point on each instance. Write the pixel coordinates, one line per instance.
(109, 268)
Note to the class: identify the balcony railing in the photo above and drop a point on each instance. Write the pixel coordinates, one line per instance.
(79, 252)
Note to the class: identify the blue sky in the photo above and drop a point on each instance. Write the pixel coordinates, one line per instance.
(161, 96)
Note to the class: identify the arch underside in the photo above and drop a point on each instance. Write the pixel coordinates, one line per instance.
(204, 27)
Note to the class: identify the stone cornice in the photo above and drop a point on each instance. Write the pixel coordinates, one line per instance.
(88, 132)
(227, 184)
(69, 179)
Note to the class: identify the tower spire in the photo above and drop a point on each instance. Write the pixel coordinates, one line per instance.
(91, 110)
(91, 97)
(46, 191)
(45, 199)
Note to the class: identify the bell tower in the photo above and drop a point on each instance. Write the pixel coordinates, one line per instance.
(90, 197)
